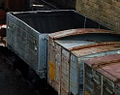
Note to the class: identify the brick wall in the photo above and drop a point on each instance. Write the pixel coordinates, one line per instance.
(106, 12)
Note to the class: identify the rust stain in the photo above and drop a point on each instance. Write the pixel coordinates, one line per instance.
(94, 45)
(51, 71)
(109, 76)
(102, 64)
(112, 71)
(95, 49)
(102, 61)
(72, 32)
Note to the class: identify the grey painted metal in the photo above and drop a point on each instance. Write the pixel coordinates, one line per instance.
(27, 33)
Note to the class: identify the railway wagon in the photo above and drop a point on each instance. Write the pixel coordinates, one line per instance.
(27, 33)
(67, 50)
(102, 75)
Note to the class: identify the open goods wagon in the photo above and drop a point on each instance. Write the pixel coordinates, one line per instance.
(102, 75)
(27, 33)
(67, 51)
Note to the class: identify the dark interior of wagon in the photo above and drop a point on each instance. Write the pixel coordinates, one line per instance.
(53, 21)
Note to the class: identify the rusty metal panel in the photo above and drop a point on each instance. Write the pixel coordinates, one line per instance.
(104, 72)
